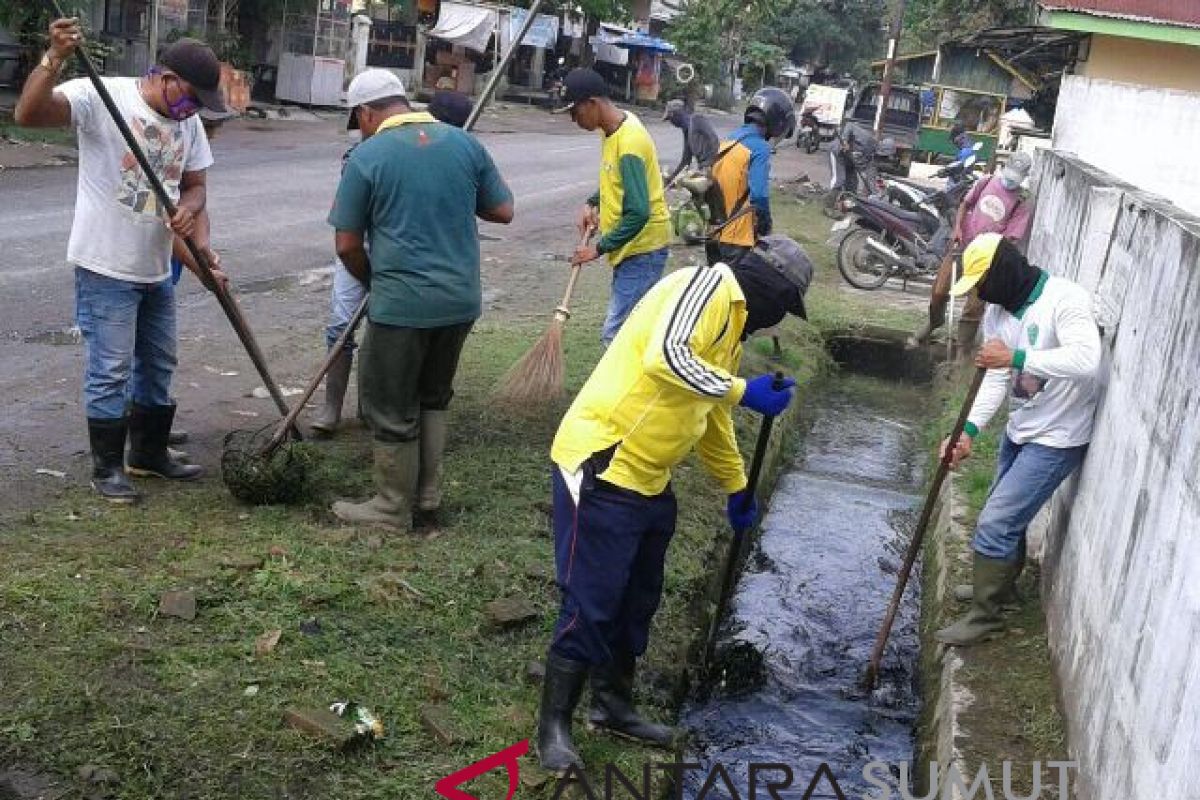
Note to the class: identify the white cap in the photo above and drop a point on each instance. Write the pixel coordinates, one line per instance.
(373, 84)
(367, 87)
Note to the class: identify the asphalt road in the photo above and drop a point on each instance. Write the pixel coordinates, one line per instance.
(269, 192)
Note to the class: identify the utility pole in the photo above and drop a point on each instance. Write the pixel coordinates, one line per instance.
(885, 88)
(152, 35)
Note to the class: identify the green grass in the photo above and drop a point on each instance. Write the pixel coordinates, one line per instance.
(10, 130)
(93, 675)
(832, 303)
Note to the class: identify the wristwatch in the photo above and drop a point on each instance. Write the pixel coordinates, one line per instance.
(51, 65)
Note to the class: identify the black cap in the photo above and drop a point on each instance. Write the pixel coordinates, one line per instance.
(582, 84)
(196, 63)
(449, 107)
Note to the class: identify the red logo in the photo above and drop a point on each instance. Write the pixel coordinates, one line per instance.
(447, 787)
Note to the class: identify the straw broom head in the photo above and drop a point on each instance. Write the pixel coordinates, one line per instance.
(538, 377)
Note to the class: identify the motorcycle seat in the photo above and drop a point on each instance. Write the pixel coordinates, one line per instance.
(922, 222)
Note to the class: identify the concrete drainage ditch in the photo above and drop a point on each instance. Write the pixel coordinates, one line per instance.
(788, 713)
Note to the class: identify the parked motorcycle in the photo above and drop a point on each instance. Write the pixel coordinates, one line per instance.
(905, 231)
(885, 241)
(915, 197)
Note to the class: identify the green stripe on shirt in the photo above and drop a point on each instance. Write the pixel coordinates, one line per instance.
(635, 205)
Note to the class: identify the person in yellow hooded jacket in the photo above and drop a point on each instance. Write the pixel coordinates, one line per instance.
(667, 384)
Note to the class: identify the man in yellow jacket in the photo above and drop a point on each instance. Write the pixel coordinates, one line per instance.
(666, 385)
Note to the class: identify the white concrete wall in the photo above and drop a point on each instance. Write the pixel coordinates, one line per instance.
(1122, 555)
(1149, 137)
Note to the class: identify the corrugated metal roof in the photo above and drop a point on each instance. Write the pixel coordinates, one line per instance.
(1169, 12)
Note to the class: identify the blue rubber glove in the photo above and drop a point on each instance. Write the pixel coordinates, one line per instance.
(741, 516)
(763, 397)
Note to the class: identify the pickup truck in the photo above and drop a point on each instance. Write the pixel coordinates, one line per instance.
(901, 121)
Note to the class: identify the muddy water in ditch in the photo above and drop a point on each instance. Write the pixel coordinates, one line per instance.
(809, 603)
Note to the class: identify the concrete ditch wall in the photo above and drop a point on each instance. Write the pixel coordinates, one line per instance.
(1122, 542)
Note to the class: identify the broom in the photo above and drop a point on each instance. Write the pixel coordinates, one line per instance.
(538, 376)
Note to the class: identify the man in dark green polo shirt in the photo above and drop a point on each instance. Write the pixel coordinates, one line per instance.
(414, 188)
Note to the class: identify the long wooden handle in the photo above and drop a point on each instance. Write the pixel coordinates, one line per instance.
(164, 200)
(735, 546)
(335, 351)
(563, 311)
(914, 546)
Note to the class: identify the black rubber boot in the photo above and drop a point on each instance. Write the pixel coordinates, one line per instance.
(107, 437)
(149, 430)
(612, 704)
(561, 689)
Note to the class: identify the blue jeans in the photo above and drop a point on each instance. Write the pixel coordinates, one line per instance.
(344, 300)
(1026, 477)
(610, 554)
(632, 278)
(129, 334)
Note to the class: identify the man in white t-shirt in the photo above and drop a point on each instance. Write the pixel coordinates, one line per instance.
(1042, 351)
(121, 239)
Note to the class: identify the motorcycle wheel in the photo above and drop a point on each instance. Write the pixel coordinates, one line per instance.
(862, 268)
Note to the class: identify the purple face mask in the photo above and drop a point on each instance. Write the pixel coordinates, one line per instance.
(180, 109)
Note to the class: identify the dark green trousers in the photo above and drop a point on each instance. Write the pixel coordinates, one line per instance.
(404, 371)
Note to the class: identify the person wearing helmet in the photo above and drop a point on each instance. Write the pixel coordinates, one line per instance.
(743, 172)
(964, 144)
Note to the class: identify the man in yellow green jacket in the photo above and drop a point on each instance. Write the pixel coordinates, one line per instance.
(630, 209)
(666, 385)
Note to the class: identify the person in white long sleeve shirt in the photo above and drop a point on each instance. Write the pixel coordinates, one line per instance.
(1042, 351)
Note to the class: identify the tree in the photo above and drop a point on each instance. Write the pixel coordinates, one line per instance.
(764, 58)
(839, 34)
(29, 21)
(927, 23)
(714, 34)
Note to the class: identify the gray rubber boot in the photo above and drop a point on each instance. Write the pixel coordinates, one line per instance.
(982, 622)
(336, 381)
(433, 449)
(395, 483)
(612, 704)
(561, 689)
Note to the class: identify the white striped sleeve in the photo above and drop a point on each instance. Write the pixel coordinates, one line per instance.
(699, 317)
